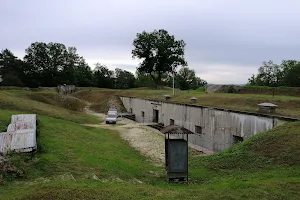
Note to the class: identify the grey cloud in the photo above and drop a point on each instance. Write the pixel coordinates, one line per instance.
(237, 34)
(125, 67)
(129, 68)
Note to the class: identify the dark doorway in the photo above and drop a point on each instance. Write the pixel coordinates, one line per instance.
(172, 122)
(198, 130)
(155, 116)
(237, 139)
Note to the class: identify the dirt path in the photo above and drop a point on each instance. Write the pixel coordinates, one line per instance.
(145, 139)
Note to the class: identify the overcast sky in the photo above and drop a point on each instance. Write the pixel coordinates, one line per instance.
(226, 40)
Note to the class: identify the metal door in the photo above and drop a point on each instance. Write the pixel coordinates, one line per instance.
(177, 156)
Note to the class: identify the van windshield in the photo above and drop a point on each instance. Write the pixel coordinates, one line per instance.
(111, 116)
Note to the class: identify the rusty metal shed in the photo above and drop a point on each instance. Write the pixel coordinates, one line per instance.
(176, 152)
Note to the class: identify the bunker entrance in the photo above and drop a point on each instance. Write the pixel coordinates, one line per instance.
(155, 115)
(237, 139)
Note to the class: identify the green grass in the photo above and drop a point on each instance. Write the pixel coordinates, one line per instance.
(40, 103)
(65, 101)
(268, 87)
(67, 147)
(96, 190)
(266, 166)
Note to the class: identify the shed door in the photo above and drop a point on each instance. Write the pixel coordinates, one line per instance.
(178, 155)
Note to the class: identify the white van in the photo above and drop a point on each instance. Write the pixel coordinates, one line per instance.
(111, 117)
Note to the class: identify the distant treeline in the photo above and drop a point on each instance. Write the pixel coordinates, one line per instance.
(52, 64)
(274, 75)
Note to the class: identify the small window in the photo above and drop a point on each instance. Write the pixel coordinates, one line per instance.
(237, 139)
(198, 130)
(130, 110)
(143, 114)
(172, 122)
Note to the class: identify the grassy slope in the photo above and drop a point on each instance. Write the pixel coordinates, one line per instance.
(287, 105)
(45, 103)
(243, 171)
(101, 100)
(265, 166)
(69, 147)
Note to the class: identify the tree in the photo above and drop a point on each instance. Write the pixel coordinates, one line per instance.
(143, 80)
(84, 76)
(71, 63)
(200, 82)
(11, 69)
(269, 74)
(159, 52)
(291, 73)
(124, 79)
(45, 62)
(186, 79)
(52, 64)
(103, 77)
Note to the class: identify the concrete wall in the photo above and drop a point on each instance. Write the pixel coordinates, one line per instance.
(66, 89)
(20, 135)
(219, 127)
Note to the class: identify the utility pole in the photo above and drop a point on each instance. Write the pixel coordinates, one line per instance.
(173, 81)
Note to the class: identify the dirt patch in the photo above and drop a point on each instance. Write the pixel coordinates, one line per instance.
(6, 167)
(150, 144)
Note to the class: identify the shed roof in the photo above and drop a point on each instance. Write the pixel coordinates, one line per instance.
(175, 129)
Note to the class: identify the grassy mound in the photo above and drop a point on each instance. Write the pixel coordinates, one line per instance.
(55, 99)
(278, 147)
(41, 103)
(101, 100)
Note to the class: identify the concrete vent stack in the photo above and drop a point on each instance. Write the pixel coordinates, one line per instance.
(193, 100)
(167, 97)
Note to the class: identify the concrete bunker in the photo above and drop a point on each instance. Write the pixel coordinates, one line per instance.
(215, 129)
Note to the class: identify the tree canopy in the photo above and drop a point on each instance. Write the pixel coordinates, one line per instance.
(11, 69)
(51, 64)
(270, 74)
(186, 79)
(159, 52)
